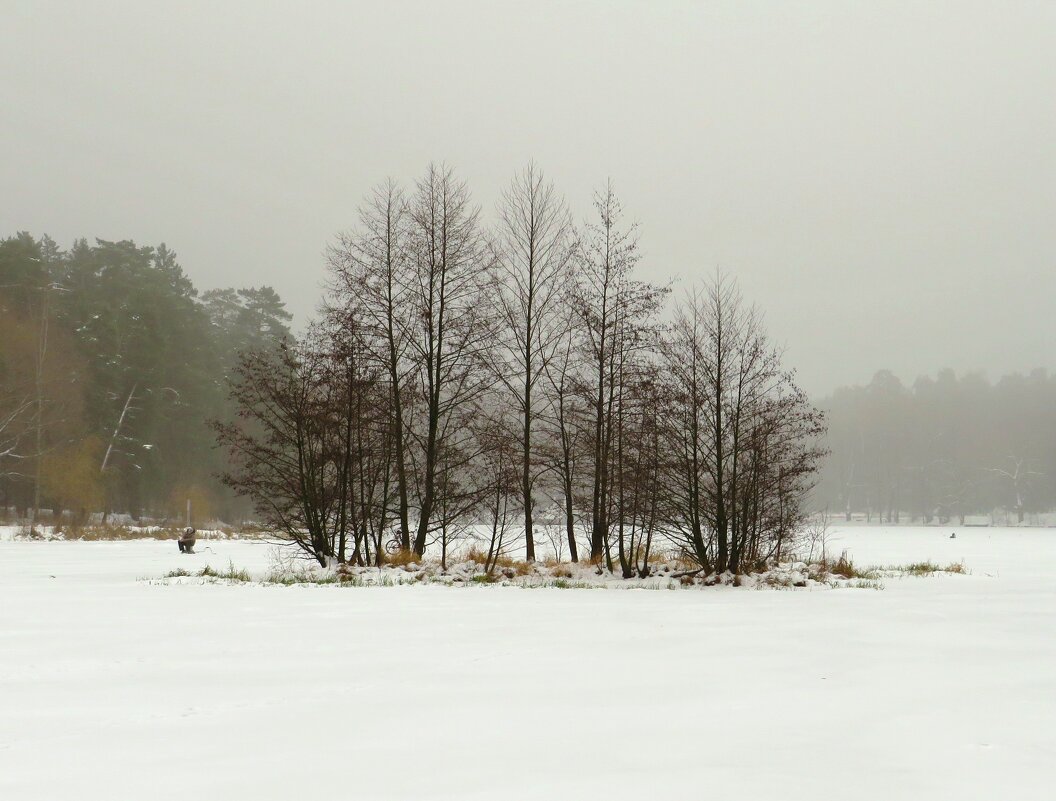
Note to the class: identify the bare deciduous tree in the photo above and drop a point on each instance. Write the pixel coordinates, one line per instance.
(740, 432)
(371, 270)
(535, 247)
(615, 313)
(452, 273)
(292, 450)
(565, 421)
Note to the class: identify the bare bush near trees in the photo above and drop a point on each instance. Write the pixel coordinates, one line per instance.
(279, 450)
(465, 377)
(741, 434)
(311, 446)
(365, 449)
(500, 486)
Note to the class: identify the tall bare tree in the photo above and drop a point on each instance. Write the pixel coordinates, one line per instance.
(615, 314)
(372, 272)
(452, 274)
(535, 248)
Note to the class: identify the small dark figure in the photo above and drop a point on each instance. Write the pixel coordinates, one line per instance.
(953, 535)
(186, 541)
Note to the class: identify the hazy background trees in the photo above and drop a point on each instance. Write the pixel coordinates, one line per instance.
(110, 368)
(942, 449)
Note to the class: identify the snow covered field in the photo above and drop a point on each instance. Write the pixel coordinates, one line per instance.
(934, 688)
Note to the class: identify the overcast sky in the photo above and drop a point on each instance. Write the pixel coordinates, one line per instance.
(881, 178)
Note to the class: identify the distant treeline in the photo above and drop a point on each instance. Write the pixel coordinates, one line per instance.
(942, 449)
(111, 365)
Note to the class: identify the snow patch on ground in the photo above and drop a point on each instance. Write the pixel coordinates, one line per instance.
(936, 688)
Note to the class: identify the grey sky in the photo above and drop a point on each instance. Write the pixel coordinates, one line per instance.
(881, 178)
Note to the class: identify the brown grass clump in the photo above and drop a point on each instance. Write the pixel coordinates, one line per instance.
(956, 567)
(402, 558)
(510, 564)
(844, 567)
(475, 554)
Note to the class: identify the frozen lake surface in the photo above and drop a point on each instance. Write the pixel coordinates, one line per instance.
(934, 688)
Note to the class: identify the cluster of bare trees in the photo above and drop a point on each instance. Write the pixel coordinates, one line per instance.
(519, 381)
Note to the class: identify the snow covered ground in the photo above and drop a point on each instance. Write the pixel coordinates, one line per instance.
(934, 688)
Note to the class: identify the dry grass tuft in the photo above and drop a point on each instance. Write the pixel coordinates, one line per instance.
(506, 563)
(402, 558)
(475, 554)
(844, 566)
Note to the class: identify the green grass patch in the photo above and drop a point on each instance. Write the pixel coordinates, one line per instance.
(231, 574)
(921, 568)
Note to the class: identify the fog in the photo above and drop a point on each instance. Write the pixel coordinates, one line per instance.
(880, 178)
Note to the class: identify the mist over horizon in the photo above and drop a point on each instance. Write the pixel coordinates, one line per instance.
(880, 180)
